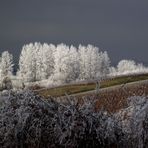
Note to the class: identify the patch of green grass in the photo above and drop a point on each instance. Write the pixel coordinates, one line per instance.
(78, 88)
(70, 89)
(124, 79)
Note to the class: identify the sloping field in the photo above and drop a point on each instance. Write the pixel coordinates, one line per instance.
(85, 87)
(111, 99)
(115, 98)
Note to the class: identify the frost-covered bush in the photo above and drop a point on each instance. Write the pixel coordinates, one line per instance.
(134, 121)
(27, 120)
(126, 67)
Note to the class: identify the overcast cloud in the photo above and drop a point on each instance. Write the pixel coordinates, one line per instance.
(118, 26)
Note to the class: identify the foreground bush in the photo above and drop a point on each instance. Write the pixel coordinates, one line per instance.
(26, 120)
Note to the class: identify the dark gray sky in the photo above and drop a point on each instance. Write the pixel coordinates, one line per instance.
(118, 26)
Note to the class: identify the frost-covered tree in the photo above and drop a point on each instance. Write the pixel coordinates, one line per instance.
(105, 64)
(93, 64)
(6, 70)
(6, 64)
(36, 62)
(27, 63)
(61, 59)
(88, 61)
(73, 65)
(125, 67)
(45, 60)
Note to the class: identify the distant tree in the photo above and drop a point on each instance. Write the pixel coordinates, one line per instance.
(112, 71)
(6, 70)
(46, 61)
(27, 63)
(105, 64)
(61, 59)
(93, 64)
(126, 65)
(88, 61)
(6, 64)
(73, 65)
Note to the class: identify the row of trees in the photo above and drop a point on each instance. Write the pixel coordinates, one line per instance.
(62, 63)
(58, 63)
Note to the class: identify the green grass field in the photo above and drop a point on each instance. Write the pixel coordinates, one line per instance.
(78, 88)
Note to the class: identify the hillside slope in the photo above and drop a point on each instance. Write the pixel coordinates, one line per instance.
(86, 87)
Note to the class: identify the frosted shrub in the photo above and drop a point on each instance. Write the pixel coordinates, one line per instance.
(134, 120)
(27, 120)
(127, 67)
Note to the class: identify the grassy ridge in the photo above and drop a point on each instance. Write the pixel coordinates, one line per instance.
(78, 88)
